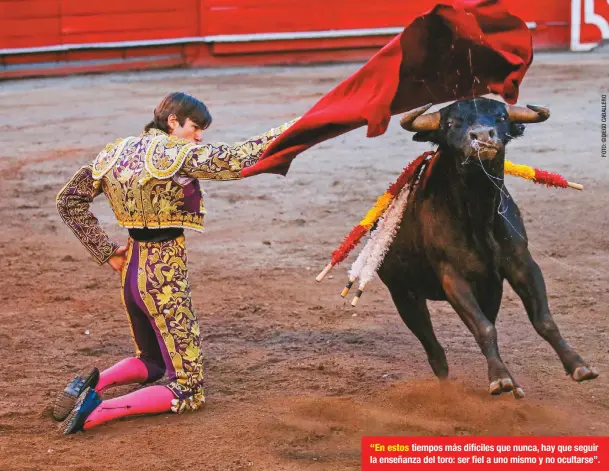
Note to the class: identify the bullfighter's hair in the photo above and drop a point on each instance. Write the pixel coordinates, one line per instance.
(183, 106)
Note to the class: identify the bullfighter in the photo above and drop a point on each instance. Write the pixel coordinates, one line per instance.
(152, 184)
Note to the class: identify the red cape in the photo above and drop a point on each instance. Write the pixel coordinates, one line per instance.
(447, 54)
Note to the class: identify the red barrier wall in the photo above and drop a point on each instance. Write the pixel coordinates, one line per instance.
(255, 16)
(29, 23)
(78, 31)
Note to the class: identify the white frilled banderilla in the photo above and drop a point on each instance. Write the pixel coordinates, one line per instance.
(370, 258)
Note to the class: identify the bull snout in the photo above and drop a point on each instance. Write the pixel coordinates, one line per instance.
(482, 134)
(484, 142)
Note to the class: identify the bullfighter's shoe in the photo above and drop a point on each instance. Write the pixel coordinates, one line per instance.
(86, 403)
(66, 400)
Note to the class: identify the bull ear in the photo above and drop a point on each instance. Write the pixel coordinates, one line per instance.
(516, 130)
(426, 136)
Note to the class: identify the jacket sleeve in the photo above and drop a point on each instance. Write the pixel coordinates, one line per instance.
(73, 203)
(220, 161)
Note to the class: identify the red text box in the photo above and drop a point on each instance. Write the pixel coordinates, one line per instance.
(514, 453)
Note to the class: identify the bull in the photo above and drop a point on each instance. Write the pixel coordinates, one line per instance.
(462, 235)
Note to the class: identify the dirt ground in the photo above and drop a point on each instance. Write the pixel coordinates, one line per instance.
(295, 375)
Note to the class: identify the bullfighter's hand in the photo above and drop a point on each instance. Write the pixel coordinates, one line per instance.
(118, 259)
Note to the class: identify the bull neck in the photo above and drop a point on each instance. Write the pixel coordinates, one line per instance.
(474, 192)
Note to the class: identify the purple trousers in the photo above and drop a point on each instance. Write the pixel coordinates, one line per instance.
(163, 323)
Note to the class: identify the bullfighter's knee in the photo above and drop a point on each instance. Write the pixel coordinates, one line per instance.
(156, 369)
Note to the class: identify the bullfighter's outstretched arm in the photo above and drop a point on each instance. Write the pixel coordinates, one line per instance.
(73, 203)
(220, 161)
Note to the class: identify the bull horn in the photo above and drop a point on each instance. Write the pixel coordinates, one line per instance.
(530, 114)
(413, 121)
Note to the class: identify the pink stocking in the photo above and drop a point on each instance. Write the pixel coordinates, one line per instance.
(150, 400)
(127, 371)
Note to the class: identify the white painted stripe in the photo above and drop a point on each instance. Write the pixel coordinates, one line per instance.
(108, 45)
(339, 33)
(81, 63)
(222, 38)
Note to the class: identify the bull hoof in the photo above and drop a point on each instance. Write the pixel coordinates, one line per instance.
(500, 386)
(518, 393)
(583, 373)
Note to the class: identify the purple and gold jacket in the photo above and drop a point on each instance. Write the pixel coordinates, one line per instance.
(152, 181)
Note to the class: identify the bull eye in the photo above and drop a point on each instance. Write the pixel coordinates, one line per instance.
(501, 119)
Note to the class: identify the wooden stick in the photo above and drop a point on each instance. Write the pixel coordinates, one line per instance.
(577, 186)
(323, 274)
(357, 296)
(347, 288)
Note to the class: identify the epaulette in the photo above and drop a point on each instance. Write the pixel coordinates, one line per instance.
(106, 159)
(166, 155)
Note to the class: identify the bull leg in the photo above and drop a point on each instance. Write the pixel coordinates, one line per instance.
(490, 302)
(489, 298)
(525, 277)
(416, 316)
(461, 297)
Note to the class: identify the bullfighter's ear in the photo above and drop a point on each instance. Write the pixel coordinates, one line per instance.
(425, 136)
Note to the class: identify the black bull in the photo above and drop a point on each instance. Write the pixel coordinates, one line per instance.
(462, 235)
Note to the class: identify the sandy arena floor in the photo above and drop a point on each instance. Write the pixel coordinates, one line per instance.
(295, 376)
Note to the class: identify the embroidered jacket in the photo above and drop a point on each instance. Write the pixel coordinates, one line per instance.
(152, 181)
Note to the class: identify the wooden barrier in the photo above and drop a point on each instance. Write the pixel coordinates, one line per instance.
(55, 37)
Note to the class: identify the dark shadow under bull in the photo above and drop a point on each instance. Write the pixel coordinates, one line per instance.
(462, 235)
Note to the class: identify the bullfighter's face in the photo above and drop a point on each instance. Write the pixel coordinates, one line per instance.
(473, 130)
(190, 131)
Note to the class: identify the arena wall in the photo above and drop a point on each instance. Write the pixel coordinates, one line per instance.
(57, 37)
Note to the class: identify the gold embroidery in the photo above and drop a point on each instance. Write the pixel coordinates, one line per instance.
(161, 201)
(73, 203)
(163, 161)
(138, 204)
(142, 178)
(151, 149)
(108, 157)
(221, 161)
(138, 352)
(163, 286)
(149, 301)
(121, 186)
